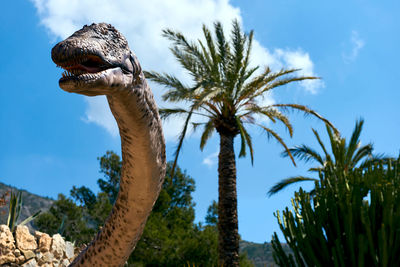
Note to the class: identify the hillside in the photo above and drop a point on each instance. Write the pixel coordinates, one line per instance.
(260, 254)
(31, 203)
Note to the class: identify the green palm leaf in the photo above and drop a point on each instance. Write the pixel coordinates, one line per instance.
(207, 133)
(286, 182)
(345, 157)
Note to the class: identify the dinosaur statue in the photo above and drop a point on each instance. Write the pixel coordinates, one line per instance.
(98, 61)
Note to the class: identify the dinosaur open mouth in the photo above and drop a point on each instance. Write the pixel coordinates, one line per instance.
(85, 67)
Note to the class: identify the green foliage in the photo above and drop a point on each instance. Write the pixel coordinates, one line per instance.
(226, 90)
(84, 196)
(170, 238)
(14, 209)
(353, 220)
(14, 212)
(212, 214)
(110, 166)
(227, 93)
(345, 156)
(66, 218)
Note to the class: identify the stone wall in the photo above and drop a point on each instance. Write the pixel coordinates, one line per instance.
(21, 248)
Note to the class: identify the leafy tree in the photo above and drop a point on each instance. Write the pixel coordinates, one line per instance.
(212, 214)
(170, 237)
(345, 156)
(83, 195)
(100, 210)
(110, 166)
(352, 220)
(66, 218)
(226, 92)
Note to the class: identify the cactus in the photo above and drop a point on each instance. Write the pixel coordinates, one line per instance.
(353, 220)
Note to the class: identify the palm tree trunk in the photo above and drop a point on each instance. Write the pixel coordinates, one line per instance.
(228, 239)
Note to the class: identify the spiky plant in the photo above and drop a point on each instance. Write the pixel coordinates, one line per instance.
(352, 220)
(14, 211)
(345, 156)
(226, 91)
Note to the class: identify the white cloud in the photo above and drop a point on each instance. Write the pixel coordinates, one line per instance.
(211, 159)
(98, 112)
(356, 45)
(297, 59)
(141, 22)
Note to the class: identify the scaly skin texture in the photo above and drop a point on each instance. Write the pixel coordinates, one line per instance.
(99, 62)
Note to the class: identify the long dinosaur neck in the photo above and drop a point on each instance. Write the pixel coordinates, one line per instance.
(143, 171)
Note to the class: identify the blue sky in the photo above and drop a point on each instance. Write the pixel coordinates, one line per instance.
(50, 140)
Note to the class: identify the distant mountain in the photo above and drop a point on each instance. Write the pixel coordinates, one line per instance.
(260, 254)
(31, 203)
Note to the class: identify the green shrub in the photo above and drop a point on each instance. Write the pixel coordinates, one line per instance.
(353, 220)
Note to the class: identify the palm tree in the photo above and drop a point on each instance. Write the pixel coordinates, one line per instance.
(226, 92)
(345, 156)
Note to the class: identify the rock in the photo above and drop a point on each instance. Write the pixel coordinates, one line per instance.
(47, 257)
(30, 263)
(38, 256)
(69, 250)
(20, 259)
(9, 258)
(6, 245)
(6, 238)
(64, 263)
(17, 252)
(29, 254)
(58, 246)
(24, 240)
(23, 251)
(44, 241)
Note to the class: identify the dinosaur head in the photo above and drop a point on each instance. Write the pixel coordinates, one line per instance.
(97, 61)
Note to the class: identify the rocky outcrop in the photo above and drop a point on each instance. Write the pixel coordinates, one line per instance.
(27, 250)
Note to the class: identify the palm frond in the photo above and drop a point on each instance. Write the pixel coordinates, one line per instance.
(245, 139)
(335, 139)
(278, 83)
(272, 114)
(304, 153)
(165, 113)
(271, 133)
(354, 140)
(320, 142)
(286, 182)
(307, 111)
(189, 62)
(207, 133)
(253, 85)
(222, 45)
(189, 47)
(213, 53)
(362, 152)
(165, 79)
(245, 73)
(181, 138)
